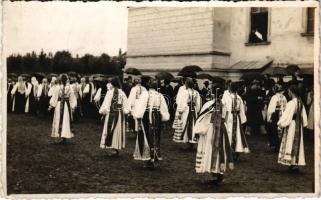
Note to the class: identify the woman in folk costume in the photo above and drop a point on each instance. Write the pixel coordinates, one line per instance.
(52, 86)
(138, 108)
(292, 121)
(234, 116)
(114, 107)
(214, 153)
(20, 93)
(274, 112)
(133, 97)
(33, 103)
(156, 113)
(64, 101)
(177, 99)
(43, 98)
(188, 106)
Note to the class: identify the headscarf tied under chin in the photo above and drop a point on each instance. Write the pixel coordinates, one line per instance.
(34, 81)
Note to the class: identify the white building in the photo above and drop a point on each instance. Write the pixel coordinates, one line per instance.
(220, 40)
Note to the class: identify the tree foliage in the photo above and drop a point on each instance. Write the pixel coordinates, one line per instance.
(63, 61)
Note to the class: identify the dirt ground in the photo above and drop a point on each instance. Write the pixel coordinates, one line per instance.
(35, 164)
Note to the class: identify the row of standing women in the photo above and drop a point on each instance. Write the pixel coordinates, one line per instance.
(216, 126)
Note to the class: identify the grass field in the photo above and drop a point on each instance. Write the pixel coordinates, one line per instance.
(36, 165)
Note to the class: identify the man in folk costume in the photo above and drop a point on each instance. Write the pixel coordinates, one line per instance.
(20, 93)
(214, 153)
(188, 107)
(83, 92)
(10, 86)
(274, 112)
(138, 99)
(115, 106)
(90, 104)
(33, 103)
(292, 121)
(156, 113)
(234, 116)
(64, 102)
(43, 97)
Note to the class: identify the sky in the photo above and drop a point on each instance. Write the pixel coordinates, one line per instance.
(81, 28)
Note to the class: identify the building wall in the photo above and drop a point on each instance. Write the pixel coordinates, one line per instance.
(170, 38)
(285, 28)
(213, 38)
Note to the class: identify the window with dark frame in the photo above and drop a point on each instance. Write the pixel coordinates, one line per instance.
(259, 25)
(310, 21)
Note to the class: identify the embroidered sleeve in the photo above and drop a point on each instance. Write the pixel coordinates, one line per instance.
(287, 115)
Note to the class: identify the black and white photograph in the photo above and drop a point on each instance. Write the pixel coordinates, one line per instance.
(160, 99)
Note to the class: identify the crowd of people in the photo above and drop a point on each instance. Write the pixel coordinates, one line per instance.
(215, 119)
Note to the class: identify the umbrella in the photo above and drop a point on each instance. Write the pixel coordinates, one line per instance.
(292, 69)
(12, 75)
(26, 76)
(164, 75)
(250, 76)
(133, 71)
(307, 71)
(276, 71)
(187, 74)
(72, 74)
(145, 78)
(176, 80)
(217, 79)
(100, 78)
(204, 76)
(52, 75)
(39, 76)
(192, 68)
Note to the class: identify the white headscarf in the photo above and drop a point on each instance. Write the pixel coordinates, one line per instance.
(34, 81)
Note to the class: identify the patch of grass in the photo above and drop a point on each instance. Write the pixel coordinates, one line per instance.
(36, 165)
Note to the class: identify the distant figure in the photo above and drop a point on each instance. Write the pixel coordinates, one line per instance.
(33, 103)
(90, 104)
(43, 98)
(10, 85)
(205, 91)
(274, 112)
(83, 92)
(64, 102)
(310, 103)
(255, 106)
(19, 94)
(168, 92)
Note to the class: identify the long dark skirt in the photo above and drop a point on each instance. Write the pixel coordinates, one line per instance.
(154, 135)
(43, 106)
(20, 103)
(33, 105)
